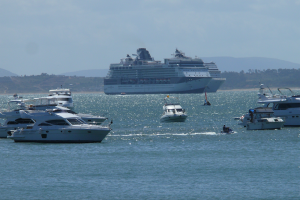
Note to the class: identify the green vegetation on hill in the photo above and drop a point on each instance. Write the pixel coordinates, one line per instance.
(44, 82)
(234, 80)
(269, 77)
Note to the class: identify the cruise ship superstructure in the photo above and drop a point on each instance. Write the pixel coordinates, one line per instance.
(144, 75)
(216, 81)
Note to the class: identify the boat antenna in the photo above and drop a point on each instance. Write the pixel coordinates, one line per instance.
(270, 90)
(111, 122)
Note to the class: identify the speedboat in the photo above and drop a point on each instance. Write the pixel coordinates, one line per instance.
(261, 119)
(62, 96)
(287, 107)
(50, 127)
(173, 112)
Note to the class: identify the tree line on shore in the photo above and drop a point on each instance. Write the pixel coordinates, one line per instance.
(253, 77)
(44, 82)
(234, 80)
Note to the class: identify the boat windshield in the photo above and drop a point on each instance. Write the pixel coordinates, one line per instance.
(22, 121)
(179, 110)
(75, 121)
(59, 122)
(63, 111)
(171, 110)
(284, 106)
(64, 99)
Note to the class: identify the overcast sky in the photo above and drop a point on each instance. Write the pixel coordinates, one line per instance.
(57, 36)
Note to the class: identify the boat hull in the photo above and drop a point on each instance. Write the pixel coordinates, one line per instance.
(264, 126)
(292, 117)
(6, 130)
(215, 84)
(173, 118)
(60, 135)
(184, 85)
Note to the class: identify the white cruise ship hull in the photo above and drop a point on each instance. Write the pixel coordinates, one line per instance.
(60, 135)
(194, 85)
(215, 84)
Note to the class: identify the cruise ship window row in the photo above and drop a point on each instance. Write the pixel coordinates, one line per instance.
(146, 81)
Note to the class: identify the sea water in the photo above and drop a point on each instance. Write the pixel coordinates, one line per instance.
(142, 158)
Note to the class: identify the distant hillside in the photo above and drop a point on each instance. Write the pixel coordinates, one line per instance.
(44, 82)
(239, 64)
(223, 63)
(88, 73)
(4, 72)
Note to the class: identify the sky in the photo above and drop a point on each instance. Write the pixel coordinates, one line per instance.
(58, 36)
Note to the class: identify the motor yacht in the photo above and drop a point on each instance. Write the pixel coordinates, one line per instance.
(51, 127)
(261, 119)
(13, 120)
(62, 96)
(285, 106)
(173, 112)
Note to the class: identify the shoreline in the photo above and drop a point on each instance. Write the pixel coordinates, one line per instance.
(101, 92)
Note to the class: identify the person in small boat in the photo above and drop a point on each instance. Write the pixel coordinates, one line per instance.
(225, 129)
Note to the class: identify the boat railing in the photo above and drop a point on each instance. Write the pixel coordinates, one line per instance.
(279, 90)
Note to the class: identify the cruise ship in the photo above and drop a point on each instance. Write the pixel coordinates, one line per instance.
(144, 75)
(216, 81)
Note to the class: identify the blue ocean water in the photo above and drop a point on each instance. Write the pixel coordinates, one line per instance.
(144, 159)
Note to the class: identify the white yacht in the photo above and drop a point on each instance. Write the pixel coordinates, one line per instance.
(173, 112)
(62, 96)
(287, 107)
(50, 127)
(13, 120)
(261, 119)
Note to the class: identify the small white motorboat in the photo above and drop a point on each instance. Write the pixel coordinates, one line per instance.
(260, 119)
(173, 112)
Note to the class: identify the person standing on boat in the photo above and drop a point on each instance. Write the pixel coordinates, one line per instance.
(225, 129)
(251, 115)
